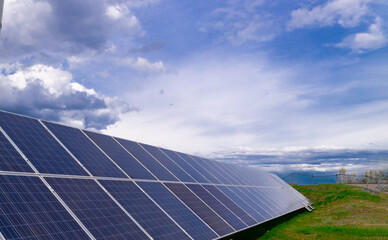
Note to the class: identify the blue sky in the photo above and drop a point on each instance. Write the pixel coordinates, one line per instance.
(235, 80)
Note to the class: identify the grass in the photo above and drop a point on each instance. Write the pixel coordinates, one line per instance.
(341, 212)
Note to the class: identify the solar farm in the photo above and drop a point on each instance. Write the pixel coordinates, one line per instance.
(59, 182)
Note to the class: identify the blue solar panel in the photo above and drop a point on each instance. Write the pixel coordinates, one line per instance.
(10, 159)
(145, 212)
(236, 178)
(238, 199)
(218, 166)
(199, 168)
(28, 210)
(231, 205)
(177, 210)
(217, 206)
(269, 206)
(118, 154)
(96, 210)
(145, 158)
(214, 169)
(201, 209)
(36, 143)
(85, 151)
(168, 163)
(253, 202)
(184, 165)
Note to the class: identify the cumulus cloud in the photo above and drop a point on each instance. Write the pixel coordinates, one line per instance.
(143, 65)
(347, 13)
(361, 42)
(54, 29)
(52, 94)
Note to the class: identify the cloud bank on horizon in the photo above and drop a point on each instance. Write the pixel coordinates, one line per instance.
(231, 78)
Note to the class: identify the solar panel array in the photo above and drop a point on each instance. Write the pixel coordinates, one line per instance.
(58, 182)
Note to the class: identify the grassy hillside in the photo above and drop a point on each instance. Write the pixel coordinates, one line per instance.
(341, 212)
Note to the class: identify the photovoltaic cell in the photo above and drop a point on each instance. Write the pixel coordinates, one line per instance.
(145, 212)
(187, 167)
(96, 210)
(238, 199)
(201, 209)
(218, 166)
(217, 206)
(10, 159)
(231, 205)
(28, 210)
(199, 168)
(177, 210)
(118, 154)
(85, 151)
(240, 179)
(213, 168)
(36, 143)
(168, 163)
(254, 202)
(269, 207)
(147, 160)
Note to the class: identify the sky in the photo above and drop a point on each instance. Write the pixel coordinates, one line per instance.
(284, 85)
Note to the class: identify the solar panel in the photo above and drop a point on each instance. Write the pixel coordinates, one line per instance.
(168, 163)
(254, 203)
(269, 206)
(85, 151)
(238, 179)
(238, 211)
(91, 185)
(10, 159)
(177, 210)
(214, 169)
(144, 210)
(218, 207)
(239, 200)
(118, 154)
(199, 168)
(96, 210)
(28, 210)
(41, 149)
(184, 165)
(145, 158)
(201, 209)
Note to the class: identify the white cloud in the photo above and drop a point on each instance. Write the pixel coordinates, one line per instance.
(143, 65)
(347, 13)
(243, 21)
(51, 93)
(211, 105)
(53, 30)
(116, 12)
(26, 20)
(371, 40)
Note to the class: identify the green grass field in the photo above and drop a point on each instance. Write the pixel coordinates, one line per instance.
(341, 212)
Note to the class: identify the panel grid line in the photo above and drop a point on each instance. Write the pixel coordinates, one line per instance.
(189, 208)
(106, 154)
(162, 209)
(177, 164)
(210, 207)
(48, 186)
(135, 158)
(91, 175)
(157, 160)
